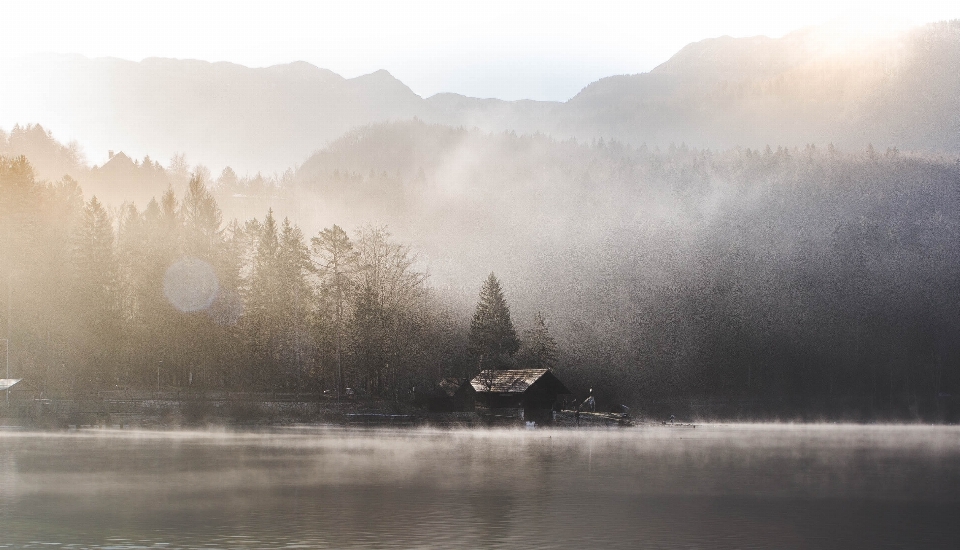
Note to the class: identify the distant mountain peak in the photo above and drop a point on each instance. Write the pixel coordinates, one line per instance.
(304, 69)
(719, 92)
(381, 81)
(380, 75)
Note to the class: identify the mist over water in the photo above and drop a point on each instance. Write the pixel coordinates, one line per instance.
(715, 486)
(757, 229)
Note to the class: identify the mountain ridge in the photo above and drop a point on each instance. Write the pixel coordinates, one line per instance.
(809, 86)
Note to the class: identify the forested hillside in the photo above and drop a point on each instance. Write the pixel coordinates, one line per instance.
(807, 274)
(811, 86)
(809, 280)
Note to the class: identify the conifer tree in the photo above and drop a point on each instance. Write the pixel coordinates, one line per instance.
(296, 304)
(262, 293)
(278, 302)
(493, 339)
(94, 284)
(336, 262)
(202, 219)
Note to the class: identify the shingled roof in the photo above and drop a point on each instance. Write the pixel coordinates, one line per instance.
(509, 381)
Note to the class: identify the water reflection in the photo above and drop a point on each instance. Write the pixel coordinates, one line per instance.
(713, 487)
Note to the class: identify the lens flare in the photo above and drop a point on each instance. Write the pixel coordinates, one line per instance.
(190, 285)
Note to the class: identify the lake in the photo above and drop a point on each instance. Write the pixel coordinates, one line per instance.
(715, 486)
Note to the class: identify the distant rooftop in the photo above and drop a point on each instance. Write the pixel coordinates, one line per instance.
(507, 381)
(7, 383)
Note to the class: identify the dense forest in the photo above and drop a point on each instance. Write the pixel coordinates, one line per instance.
(171, 296)
(798, 281)
(803, 279)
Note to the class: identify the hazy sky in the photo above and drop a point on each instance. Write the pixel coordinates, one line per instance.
(485, 48)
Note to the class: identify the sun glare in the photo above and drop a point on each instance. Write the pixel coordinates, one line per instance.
(854, 36)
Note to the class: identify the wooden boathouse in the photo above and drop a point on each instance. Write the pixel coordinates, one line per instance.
(534, 391)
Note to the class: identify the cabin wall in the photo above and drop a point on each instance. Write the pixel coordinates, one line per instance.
(539, 396)
(465, 401)
(500, 401)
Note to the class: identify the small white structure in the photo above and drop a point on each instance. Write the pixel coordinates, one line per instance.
(7, 383)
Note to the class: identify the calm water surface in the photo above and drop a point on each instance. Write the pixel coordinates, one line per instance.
(724, 486)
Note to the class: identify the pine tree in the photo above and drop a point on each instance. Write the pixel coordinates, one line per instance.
(94, 285)
(493, 339)
(279, 300)
(336, 262)
(202, 219)
(19, 198)
(297, 304)
(262, 293)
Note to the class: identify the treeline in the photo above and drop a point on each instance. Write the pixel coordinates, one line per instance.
(809, 279)
(798, 281)
(50, 156)
(169, 295)
(122, 178)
